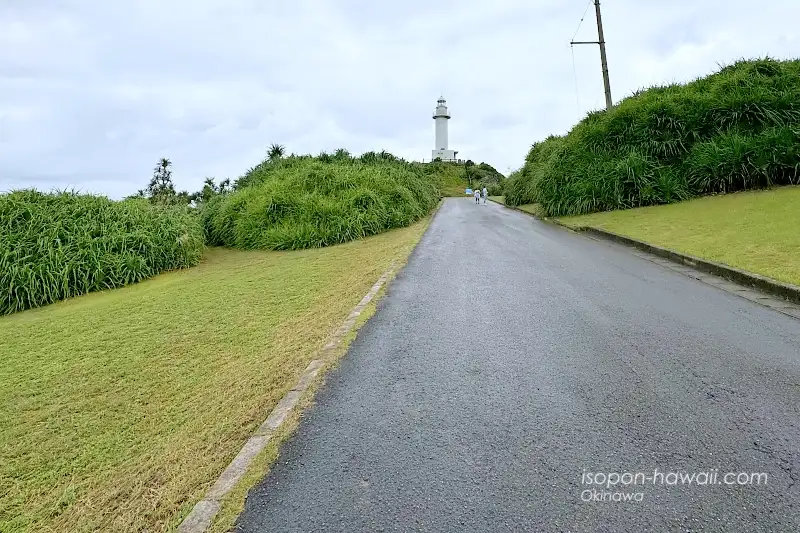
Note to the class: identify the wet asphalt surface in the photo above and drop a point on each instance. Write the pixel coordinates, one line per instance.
(509, 358)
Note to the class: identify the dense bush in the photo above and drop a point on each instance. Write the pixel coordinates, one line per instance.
(58, 245)
(263, 170)
(487, 174)
(304, 202)
(494, 189)
(736, 129)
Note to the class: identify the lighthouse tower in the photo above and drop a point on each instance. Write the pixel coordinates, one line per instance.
(441, 116)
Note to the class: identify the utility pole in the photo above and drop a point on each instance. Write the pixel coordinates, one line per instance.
(603, 59)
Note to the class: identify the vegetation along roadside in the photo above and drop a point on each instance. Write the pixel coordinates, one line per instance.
(119, 408)
(736, 129)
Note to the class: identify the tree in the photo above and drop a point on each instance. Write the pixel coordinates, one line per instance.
(160, 190)
(341, 155)
(211, 189)
(208, 191)
(469, 172)
(275, 151)
(184, 198)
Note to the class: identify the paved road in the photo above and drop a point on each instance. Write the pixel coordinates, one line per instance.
(509, 358)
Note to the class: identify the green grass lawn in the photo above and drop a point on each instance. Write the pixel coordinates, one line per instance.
(118, 409)
(757, 231)
(498, 199)
(453, 190)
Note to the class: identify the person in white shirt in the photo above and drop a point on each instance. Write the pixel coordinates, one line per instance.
(477, 196)
(484, 192)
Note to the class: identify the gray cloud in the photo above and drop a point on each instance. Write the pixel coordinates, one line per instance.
(92, 93)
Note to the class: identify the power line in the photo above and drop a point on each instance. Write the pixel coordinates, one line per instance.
(588, 5)
(572, 49)
(575, 74)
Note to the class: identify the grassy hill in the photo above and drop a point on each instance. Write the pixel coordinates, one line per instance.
(737, 129)
(448, 177)
(308, 202)
(55, 246)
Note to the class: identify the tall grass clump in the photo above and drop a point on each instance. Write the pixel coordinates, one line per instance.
(308, 202)
(734, 130)
(58, 245)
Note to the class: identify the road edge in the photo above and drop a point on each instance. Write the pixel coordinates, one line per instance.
(785, 291)
(771, 286)
(202, 515)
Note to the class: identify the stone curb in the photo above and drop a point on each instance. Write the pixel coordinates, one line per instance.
(785, 291)
(203, 513)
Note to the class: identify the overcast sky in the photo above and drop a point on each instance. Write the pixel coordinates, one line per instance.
(94, 92)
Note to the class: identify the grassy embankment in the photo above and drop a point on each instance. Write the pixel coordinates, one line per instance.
(738, 129)
(448, 177)
(755, 231)
(119, 408)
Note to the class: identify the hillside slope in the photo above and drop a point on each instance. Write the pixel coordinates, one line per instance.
(734, 130)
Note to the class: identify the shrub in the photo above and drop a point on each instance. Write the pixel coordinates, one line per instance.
(494, 189)
(736, 129)
(58, 245)
(521, 186)
(314, 202)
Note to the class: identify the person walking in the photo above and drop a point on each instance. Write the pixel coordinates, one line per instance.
(477, 196)
(484, 192)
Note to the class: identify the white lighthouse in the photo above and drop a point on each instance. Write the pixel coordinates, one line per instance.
(441, 116)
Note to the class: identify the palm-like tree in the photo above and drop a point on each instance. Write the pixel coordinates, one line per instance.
(341, 154)
(160, 189)
(275, 151)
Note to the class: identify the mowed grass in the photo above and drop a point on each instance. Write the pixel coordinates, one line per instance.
(453, 191)
(118, 409)
(756, 231)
